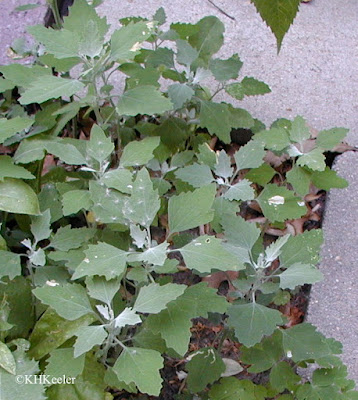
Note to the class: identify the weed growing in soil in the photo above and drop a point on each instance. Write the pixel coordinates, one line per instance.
(139, 242)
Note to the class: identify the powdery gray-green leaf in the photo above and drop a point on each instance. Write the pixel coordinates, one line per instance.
(7, 360)
(127, 317)
(40, 226)
(216, 118)
(144, 203)
(241, 191)
(100, 146)
(88, 337)
(189, 210)
(139, 153)
(252, 322)
(315, 160)
(102, 259)
(328, 139)
(67, 238)
(50, 87)
(250, 156)
(62, 362)
(279, 203)
(206, 253)
(197, 175)
(143, 100)
(153, 298)
(299, 274)
(141, 367)
(101, 289)
(69, 301)
(76, 200)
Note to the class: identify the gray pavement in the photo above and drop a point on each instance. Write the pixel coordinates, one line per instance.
(13, 25)
(316, 76)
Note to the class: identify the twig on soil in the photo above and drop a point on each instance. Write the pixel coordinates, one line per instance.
(221, 10)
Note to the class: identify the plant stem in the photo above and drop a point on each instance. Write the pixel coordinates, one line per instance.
(56, 14)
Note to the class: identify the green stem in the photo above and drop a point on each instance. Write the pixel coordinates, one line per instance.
(56, 14)
(39, 175)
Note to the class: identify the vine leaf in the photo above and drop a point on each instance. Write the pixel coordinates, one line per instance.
(278, 15)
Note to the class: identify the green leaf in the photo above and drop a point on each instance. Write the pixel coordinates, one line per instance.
(49, 87)
(283, 377)
(197, 175)
(51, 331)
(153, 298)
(189, 210)
(6, 85)
(263, 355)
(99, 147)
(119, 179)
(216, 118)
(208, 360)
(250, 156)
(328, 139)
(8, 127)
(254, 87)
(304, 248)
(88, 337)
(299, 274)
(240, 191)
(206, 253)
(315, 160)
(7, 360)
(139, 236)
(278, 203)
(141, 367)
(22, 75)
(275, 139)
(300, 180)
(102, 259)
(261, 175)
(9, 170)
(90, 28)
(144, 203)
(232, 388)
(11, 388)
(328, 179)
(10, 264)
(154, 255)
(253, 321)
(139, 153)
(67, 238)
(65, 151)
(18, 197)
(274, 250)
(40, 226)
(303, 342)
(240, 233)
(125, 42)
(223, 165)
(173, 323)
(62, 362)
(101, 289)
(299, 131)
(179, 94)
(62, 44)
(209, 37)
(278, 15)
(224, 70)
(235, 90)
(69, 301)
(143, 100)
(108, 204)
(186, 54)
(76, 200)
(127, 317)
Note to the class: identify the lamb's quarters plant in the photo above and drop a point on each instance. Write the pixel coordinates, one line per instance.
(119, 209)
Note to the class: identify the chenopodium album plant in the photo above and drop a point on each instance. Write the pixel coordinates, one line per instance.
(117, 207)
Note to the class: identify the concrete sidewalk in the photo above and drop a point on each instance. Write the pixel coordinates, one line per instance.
(316, 76)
